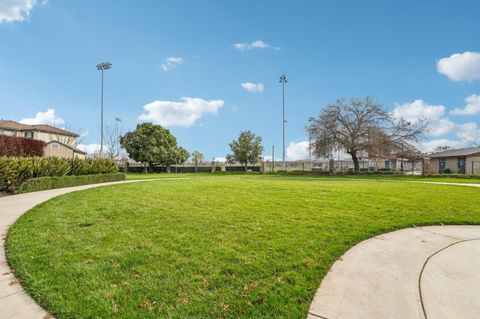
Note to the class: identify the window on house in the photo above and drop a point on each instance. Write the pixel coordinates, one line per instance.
(28, 134)
(55, 146)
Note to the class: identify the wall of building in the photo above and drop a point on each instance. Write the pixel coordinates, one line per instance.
(47, 137)
(472, 165)
(62, 151)
(434, 166)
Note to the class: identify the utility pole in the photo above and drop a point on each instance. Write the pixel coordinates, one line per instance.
(283, 80)
(102, 67)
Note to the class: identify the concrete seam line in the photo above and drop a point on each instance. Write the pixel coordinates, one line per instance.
(425, 265)
(434, 233)
(315, 315)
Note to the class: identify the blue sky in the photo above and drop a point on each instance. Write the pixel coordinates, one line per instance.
(186, 62)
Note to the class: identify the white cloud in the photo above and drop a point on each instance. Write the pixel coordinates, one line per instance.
(17, 10)
(440, 127)
(183, 113)
(171, 63)
(267, 158)
(430, 146)
(469, 132)
(89, 148)
(253, 87)
(259, 44)
(419, 110)
(297, 151)
(472, 107)
(220, 159)
(461, 66)
(47, 117)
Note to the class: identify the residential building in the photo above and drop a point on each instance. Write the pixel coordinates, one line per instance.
(456, 161)
(58, 142)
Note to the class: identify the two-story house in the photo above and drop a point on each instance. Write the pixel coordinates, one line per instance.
(58, 142)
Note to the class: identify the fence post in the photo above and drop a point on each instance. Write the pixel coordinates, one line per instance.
(213, 167)
(331, 168)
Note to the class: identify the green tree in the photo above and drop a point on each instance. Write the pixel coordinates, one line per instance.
(154, 145)
(247, 148)
(197, 158)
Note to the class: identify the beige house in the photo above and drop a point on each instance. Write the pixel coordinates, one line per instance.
(457, 161)
(58, 142)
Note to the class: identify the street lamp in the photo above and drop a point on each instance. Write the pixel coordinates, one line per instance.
(283, 80)
(102, 67)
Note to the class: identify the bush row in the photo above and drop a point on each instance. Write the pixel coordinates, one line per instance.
(51, 182)
(16, 170)
(20, 146)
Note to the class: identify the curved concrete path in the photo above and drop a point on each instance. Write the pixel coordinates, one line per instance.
(415, 273)
(14, 302)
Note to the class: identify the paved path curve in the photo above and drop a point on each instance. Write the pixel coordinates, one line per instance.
(415, 273)
(14, 302)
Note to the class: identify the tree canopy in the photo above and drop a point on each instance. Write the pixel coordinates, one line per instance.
(361, 127)
(154, 145)
(246, 149)
(197, 157)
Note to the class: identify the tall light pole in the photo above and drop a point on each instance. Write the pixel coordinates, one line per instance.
(117, 144)
(283, 80)
(102, 67)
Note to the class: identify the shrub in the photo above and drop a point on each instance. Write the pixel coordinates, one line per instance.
(20, 146)
(16, 170)
(51, 182)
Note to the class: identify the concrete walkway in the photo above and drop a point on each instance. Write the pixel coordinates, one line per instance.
(425, 273)
(14, 302)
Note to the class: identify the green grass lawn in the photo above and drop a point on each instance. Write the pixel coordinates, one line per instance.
(221, 246)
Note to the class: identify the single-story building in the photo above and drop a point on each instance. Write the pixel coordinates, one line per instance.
(456, 161)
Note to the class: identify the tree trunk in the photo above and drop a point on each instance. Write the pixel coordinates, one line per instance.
(145, 168)
(246, 167)
(150, 167)
(355, 161)
(168, 169)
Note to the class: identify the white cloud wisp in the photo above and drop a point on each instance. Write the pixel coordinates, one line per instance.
(183, 113)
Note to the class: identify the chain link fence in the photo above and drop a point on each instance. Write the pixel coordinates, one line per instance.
(344, 166)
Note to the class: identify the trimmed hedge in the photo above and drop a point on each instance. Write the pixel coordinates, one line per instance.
(16, 170)
(20, 146)
(51, 182)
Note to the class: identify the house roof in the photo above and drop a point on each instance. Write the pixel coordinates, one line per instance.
(457, 152)
(76, 150)
(15, 126)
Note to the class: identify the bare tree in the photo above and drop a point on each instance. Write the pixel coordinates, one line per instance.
(112, 142)
(59, 136)
(361, 127)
